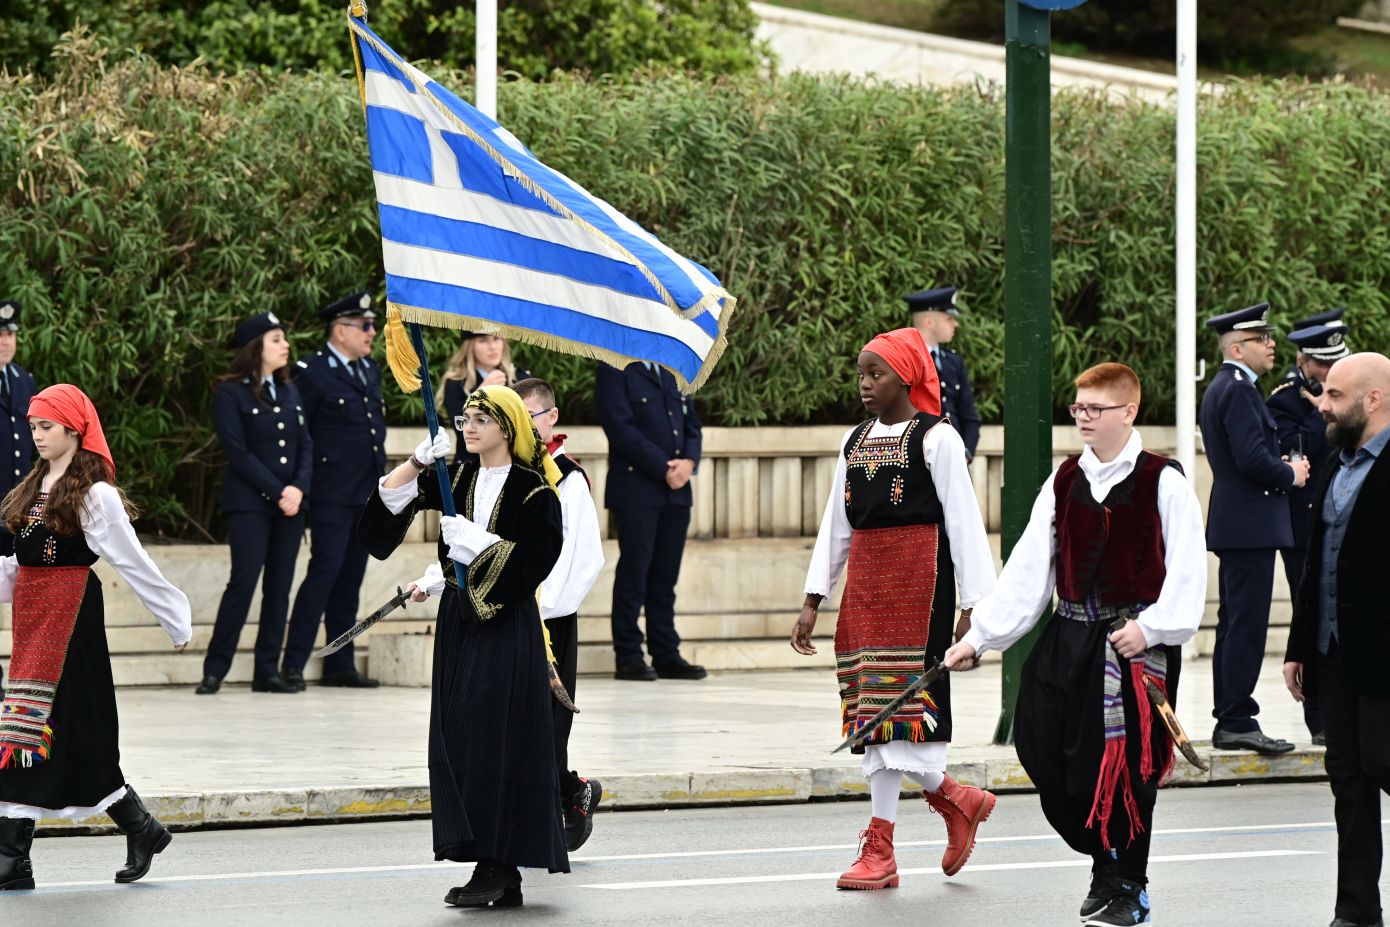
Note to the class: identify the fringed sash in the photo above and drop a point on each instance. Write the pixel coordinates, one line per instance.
(1114, 776)
(881, 636)
(46, 602)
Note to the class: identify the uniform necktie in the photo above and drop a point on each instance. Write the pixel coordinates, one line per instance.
(936, 359)
(270, 387)
(356, 367)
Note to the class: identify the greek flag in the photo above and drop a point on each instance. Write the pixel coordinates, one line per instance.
(478, 234)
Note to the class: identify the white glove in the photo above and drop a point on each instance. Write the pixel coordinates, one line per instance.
(465, 539)
(432, 583)
(436, 448)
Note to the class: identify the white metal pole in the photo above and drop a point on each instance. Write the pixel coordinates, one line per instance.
(487, 57)
(1186, 318)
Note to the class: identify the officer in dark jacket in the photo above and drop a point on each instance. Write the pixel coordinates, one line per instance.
(270, 460)
(1321, 342)
(341, 388)
(936, 316)
(653, 448)
(1247, 520)
(17, 387)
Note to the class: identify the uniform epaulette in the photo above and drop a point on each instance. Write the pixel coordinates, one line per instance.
(309, 361)
(1281, 387)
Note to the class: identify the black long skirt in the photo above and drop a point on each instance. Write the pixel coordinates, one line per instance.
(85, 765)
(493, 782)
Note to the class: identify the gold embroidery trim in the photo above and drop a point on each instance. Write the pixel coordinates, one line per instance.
(493, 561)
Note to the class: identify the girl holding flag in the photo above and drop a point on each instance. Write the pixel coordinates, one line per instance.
(59, 749)
(903, 514)
(496, 798)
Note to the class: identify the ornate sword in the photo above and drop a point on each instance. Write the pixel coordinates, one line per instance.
(933, 673)
(357, 630)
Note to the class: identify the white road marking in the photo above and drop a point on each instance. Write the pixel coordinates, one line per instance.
(690, 854)
(759, 851)
(988, 867)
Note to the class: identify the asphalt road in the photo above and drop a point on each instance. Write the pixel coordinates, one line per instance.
(1253, 855)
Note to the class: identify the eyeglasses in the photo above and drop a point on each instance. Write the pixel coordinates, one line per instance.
(1090, 413)
(1262, 338)
(540, 413)
(461, 421)
(367, 325)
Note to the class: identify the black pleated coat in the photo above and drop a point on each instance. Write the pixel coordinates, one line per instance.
(493, 782)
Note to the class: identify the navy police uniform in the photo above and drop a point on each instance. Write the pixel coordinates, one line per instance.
(17, 387)
(1247, 520)
(957, 398)
(268, 448)
(648, 422)
(345, 415)
(1302, 430)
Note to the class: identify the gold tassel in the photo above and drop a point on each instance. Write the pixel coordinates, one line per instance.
(400, 352)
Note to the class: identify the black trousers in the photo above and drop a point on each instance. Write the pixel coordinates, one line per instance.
(1246, 579)
(1293, 558)
(1059, 734)
(268, 542)
(564, 641)
(650, 544)
(1358, 765)
(331, 587)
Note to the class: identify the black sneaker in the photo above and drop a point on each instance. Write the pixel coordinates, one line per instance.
(1129, 906)
(579, 814)
(1104, 885)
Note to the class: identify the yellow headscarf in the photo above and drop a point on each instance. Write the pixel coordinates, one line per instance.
(504, 405)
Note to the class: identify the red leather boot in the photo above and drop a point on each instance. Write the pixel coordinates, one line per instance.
(964, 808)
(875, 867)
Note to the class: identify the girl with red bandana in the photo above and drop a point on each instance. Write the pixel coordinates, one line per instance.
(903, 515)
(59, 751)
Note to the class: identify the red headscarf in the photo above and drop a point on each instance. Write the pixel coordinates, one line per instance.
(68, 406)
(904, 350)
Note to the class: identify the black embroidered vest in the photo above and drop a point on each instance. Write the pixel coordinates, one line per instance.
(887, 483)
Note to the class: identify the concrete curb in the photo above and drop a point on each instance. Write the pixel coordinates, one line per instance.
(995, 768)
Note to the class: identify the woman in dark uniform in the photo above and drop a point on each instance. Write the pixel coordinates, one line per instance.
(260, 420)
(59, 730)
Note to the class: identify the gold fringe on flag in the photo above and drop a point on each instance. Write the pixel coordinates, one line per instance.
(400, 353)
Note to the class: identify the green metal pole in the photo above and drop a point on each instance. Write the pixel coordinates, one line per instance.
(1027, 296)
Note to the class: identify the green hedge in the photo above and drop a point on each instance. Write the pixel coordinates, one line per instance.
(146, 209)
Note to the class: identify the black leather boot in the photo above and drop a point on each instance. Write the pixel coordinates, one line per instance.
(493, 883)
(16, 871)
(144, 835)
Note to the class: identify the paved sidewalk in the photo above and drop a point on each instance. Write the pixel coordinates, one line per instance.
(735, 737)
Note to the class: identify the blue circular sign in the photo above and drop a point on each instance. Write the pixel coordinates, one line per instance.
(1052, 4)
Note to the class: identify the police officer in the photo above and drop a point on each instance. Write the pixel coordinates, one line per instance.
(17, 387)
(260, 420)
(935, 315)
(1247, 520)
(654, 440)
(1321, 342)
(341, 389)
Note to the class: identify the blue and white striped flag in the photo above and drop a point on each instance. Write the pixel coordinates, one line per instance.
(477, 233)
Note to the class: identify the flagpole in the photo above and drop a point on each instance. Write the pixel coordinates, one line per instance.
(1186, 222)
(486, 56)
(441, 470)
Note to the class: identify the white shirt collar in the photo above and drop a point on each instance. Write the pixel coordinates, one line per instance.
(1107, 473)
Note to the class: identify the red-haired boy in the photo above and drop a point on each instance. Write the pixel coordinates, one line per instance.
(1117, 532)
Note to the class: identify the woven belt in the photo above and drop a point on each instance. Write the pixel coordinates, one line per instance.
(1090, 612)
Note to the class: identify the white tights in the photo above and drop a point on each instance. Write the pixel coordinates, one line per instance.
(886, 784)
